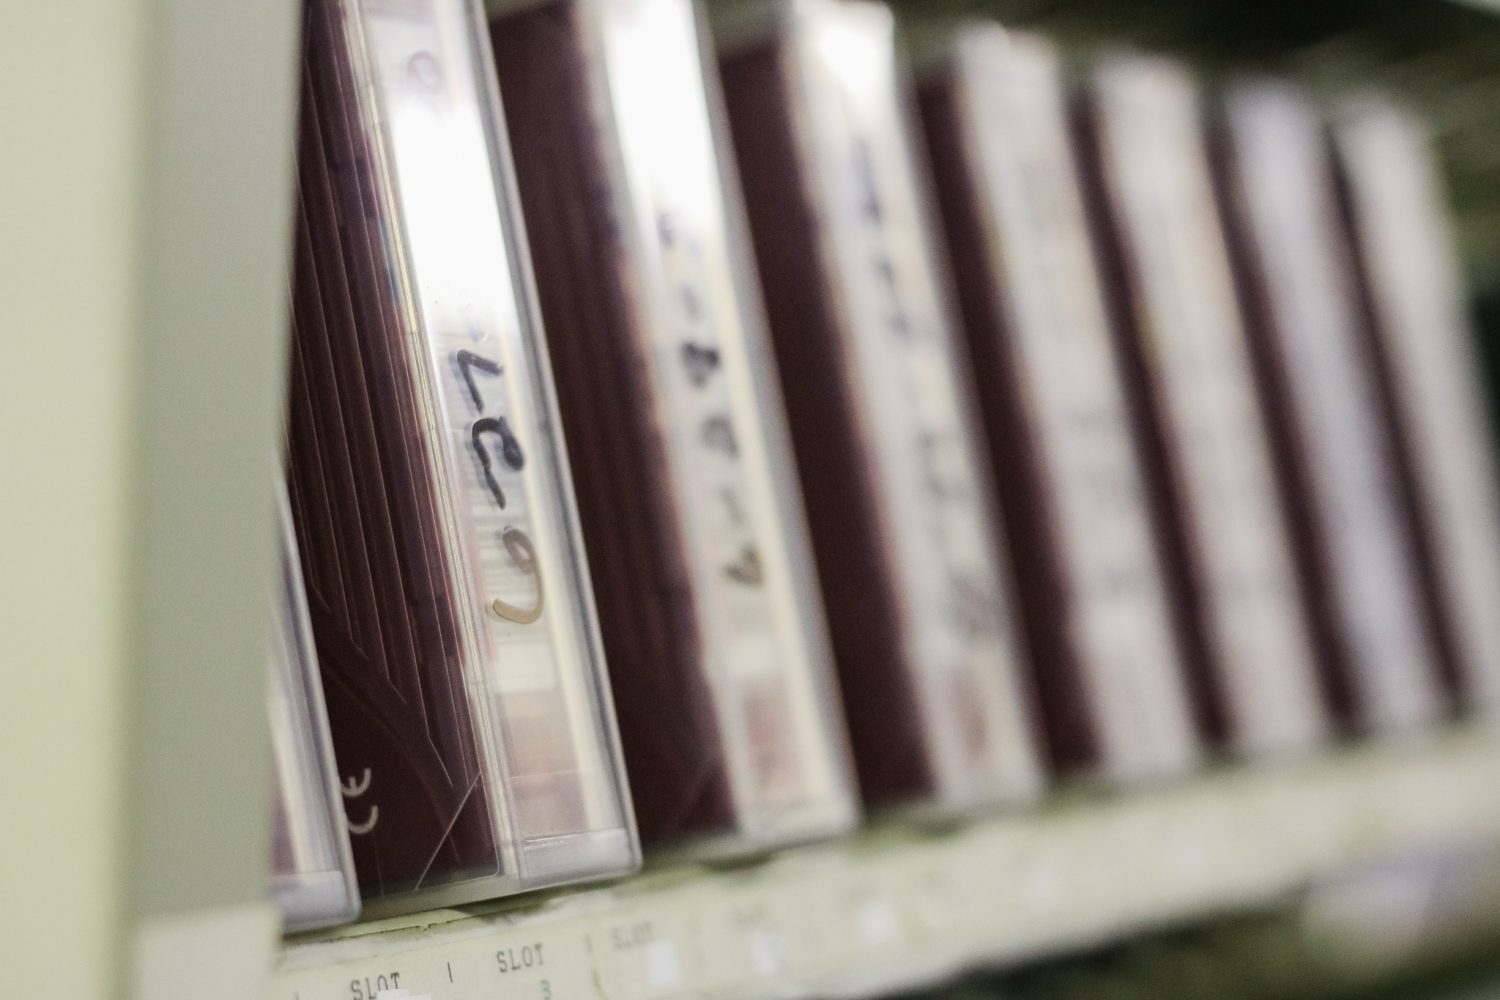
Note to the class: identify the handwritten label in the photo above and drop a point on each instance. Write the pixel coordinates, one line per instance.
(1152, 148)
(1075, 406)
(1396, 195)
(1287, 201)
(497, 463)
(914, 400)
(777, 738)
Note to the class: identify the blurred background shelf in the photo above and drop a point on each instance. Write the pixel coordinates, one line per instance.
(1444, 58)
(897, 909)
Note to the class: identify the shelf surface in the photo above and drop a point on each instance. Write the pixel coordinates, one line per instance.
(899, 907)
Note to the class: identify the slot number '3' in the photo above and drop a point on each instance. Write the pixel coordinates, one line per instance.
(492, 440)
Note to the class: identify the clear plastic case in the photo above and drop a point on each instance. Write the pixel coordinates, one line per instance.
(1188, 366)
(312, 871)
(903, 515)
(1420, 337)
(1319, 387)
(446, 584)
(729, 717)
(1104, 639)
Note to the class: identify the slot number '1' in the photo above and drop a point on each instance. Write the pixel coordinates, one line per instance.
(494, 432)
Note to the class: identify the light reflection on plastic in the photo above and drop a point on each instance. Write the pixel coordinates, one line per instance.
(649, 76)
(859, 57)
(444, 194)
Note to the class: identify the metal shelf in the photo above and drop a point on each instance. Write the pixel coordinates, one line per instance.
(898, 907)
